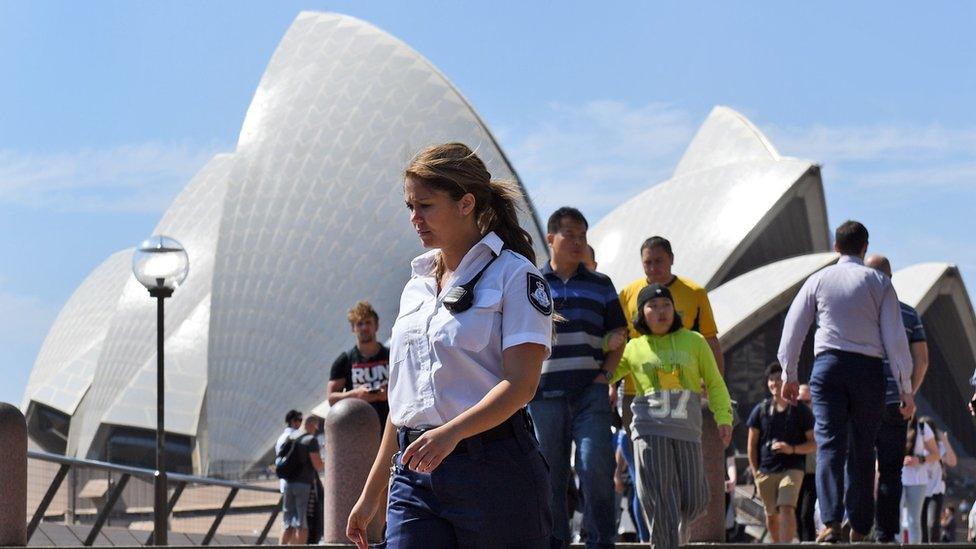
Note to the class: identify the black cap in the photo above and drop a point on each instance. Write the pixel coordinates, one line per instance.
(650, 292)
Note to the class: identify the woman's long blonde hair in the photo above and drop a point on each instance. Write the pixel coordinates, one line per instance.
(455, 169)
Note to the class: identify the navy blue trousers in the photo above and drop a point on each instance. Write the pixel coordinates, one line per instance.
(494, 494)
(848, 403)
(891, 456)
(584, 418)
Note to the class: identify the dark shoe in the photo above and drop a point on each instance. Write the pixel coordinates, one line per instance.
(830, 534)
(857, 537)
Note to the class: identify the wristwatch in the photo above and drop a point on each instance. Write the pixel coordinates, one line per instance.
(606, 373)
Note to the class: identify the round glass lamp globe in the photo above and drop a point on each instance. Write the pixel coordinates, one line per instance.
(160, 262)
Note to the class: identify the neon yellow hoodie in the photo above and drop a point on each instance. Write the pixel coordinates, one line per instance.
(668, 371)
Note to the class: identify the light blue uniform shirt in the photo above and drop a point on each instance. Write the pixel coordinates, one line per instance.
(856, 310)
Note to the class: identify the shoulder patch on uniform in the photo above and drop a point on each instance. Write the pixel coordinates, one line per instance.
(538, 293)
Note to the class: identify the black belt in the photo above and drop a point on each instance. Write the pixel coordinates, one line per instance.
(504, 430)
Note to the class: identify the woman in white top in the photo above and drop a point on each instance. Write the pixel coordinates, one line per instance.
(474, 326)
(920, 451)
(935, 491)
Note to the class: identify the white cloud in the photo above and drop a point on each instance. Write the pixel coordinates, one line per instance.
(878, 142)
(140, 177)
(892, 164)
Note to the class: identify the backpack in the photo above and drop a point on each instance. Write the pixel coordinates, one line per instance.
(290, 460)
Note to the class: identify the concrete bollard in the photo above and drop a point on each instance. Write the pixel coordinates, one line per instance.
(13, 476)
(710, 527)
(352, 438)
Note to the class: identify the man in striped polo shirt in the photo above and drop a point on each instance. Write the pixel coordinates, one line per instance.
(890, 442)
(572, 403)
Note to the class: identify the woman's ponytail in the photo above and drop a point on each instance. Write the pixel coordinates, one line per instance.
(501, 216)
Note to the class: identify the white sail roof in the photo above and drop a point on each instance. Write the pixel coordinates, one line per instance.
(733, 204)
(66, 362)
(921, 286)
(124, 387)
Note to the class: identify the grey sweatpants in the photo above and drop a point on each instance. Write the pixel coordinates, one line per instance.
(671, 486)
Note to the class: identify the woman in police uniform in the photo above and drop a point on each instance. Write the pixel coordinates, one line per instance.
(474, 326)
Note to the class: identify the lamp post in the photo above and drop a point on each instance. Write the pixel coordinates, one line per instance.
(160, 264)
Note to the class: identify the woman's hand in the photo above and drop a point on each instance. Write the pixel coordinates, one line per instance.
(911, 461)
(427, 452)
(359, 518)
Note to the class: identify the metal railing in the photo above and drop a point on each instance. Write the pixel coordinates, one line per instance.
(178, 483)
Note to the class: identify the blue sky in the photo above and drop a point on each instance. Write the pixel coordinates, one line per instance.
(108, 108)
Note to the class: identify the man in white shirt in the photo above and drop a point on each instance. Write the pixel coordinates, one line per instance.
(293, 421)
(858, 323)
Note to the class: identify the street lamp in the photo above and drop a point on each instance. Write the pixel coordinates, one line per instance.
(160, 264)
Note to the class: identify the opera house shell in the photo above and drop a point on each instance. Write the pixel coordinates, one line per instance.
(305, 217)
(733, 204)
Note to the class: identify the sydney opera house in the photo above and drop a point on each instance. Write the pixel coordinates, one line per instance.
(305, 216)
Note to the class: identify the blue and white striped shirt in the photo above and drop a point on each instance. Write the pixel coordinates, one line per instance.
(589, 303)
(915, 332)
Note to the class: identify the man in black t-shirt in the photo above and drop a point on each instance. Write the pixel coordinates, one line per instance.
(780, 436)
(311, 469)
(313, 465)
(363, 371)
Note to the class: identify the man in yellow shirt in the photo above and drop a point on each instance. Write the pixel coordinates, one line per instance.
(690, 299)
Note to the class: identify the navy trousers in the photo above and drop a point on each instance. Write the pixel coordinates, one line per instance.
(891, 456)
(848, 403)
(492, 494)
(584, 418)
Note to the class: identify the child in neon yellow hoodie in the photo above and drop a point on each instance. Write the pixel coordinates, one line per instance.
(668, 364)
(668, 371)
